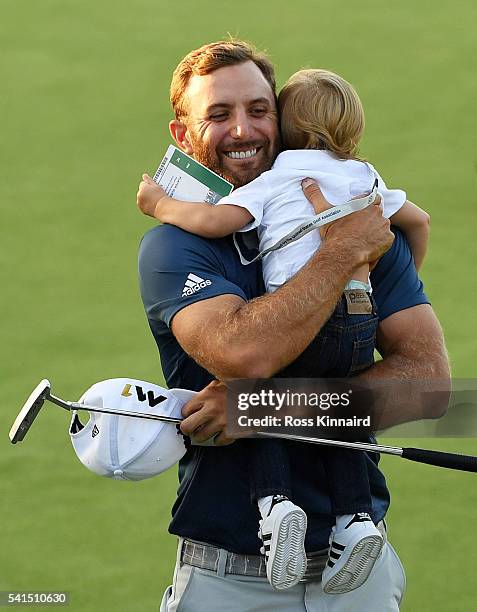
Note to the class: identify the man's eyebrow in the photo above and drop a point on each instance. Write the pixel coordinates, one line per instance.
(217, 106)
(221, 105)
(260, 101)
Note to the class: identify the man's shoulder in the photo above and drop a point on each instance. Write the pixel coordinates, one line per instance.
(170, 243)
(166, 235)
(167, 252)
(177, 269)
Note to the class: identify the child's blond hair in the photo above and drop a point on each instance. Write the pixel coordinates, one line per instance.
(320, 110)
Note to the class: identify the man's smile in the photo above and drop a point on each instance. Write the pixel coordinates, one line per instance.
(242, 154)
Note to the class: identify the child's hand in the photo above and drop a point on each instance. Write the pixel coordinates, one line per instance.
(149, 195)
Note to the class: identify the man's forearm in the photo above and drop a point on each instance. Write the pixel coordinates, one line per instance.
(256, 339)
(284, 323)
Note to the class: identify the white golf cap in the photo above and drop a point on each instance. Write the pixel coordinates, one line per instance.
(128, 448)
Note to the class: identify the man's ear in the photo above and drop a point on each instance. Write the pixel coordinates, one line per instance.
(180, 134)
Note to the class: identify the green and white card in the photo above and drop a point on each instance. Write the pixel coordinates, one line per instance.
(182, 177)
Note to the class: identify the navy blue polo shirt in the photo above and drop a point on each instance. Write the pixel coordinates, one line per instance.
(213, 503)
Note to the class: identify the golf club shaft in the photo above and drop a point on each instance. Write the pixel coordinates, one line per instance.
(453, 461)
(58, 401)
(138, 415)
(362, 446)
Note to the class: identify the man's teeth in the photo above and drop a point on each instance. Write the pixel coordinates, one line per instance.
(241, 154)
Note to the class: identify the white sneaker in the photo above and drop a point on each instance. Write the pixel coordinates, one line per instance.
(353, 553)
(283, 535)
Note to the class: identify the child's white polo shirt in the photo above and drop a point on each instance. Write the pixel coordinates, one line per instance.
(276, 201)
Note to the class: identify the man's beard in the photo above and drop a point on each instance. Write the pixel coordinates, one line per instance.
(241, 177)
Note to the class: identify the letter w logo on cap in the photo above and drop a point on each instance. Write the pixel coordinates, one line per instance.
(152, 400)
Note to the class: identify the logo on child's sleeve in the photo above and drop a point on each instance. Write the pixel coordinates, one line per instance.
(193, 284)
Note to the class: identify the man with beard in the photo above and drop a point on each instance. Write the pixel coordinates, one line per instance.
(209, 321)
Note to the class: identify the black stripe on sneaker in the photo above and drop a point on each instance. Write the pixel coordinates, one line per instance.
(337, 546)
(277, 499)
(266, 537)
(330, 563)
(334, 555)
(359, 517)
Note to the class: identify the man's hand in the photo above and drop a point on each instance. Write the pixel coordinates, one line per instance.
(149, 196)
(205, 415)
(365, 233)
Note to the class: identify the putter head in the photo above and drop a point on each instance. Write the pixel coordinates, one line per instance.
(29, 412)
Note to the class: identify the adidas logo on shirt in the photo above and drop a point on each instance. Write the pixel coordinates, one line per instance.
(193, 284)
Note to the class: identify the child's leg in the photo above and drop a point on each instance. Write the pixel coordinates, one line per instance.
(346, 469)
(355, 542)
(269, 470)
(283, 524)
(348, 481)
(344, 346)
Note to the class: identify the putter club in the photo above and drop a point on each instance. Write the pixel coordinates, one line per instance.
(452, 461)
(42, 393)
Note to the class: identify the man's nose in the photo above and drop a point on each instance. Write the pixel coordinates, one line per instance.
(241, 128)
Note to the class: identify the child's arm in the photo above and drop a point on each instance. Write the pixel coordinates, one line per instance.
(415, 224)
(199, 218)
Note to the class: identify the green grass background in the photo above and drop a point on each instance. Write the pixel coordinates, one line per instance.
(84, 111)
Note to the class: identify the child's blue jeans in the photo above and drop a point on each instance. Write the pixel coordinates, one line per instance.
(343, 348)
